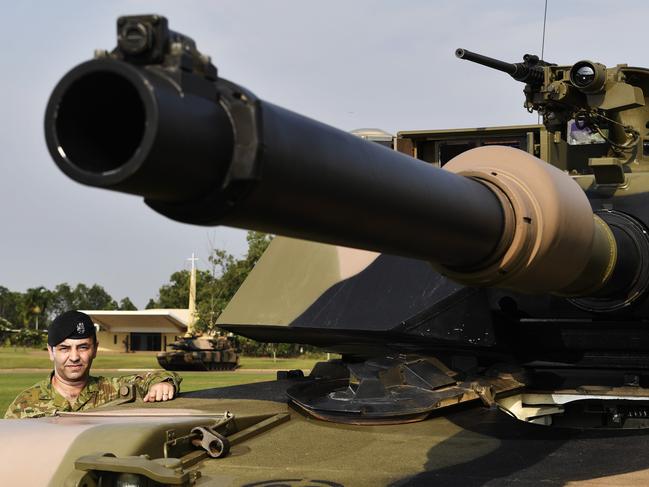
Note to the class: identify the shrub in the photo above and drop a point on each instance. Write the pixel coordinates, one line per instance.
(28, 338)
(5, 330)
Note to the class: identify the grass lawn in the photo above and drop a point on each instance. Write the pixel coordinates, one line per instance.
(11, 384)
(14, 381)
(17, 358)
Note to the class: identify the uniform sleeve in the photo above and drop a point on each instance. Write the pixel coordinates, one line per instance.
(28, 405)
(13, 411)
(143, 382)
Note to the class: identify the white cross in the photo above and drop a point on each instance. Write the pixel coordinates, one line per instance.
(193, 260)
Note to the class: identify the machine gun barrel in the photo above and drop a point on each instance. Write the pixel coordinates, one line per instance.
(490, 62)
(206, 151)
(529, 71)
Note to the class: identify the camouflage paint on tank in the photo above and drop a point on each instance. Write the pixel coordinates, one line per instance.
(300, 271)
(473, 446)
(199, 352)
(58, 441)
(345, 299)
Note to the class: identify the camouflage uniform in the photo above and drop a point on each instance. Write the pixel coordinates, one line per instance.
(42, 399)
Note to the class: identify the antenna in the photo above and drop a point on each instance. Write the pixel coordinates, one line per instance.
(545, 18)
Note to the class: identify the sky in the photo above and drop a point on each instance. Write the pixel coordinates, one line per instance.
(350, 64)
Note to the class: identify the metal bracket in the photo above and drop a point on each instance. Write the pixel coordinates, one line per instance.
(214, 444)
(201, 443)
(166, 471)
(178, 446)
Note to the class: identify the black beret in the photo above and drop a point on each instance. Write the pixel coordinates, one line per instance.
(71, 324)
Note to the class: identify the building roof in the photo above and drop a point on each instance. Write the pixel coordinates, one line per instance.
(143, 321)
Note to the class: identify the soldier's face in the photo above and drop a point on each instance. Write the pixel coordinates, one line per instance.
(73, 357)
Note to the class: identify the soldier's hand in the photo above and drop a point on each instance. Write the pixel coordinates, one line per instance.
(162, 391)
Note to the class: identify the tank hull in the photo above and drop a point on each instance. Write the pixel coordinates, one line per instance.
(198, 361)
(465, 446)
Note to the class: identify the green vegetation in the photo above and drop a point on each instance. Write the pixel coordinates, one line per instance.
(11, 358)
(27, 338)
(214, 287)
(11, 384)
(36, 307)
(17, 358)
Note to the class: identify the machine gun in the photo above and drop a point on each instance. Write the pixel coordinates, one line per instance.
(529, 71)
(586, 104)
(548, 273)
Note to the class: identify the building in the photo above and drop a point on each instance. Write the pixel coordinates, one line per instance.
(145, 330)
(148, 330)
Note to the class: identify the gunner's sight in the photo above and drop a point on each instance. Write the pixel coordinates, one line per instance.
(588, 77)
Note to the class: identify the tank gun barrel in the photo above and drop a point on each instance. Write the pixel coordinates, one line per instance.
(193, 161)
(203, 150)
(148, 124)
(529, 71)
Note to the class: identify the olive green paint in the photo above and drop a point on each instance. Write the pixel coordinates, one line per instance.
(287, 279)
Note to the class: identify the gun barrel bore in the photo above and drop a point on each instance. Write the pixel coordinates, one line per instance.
(490, 62)
(104, 143)
(114, 125)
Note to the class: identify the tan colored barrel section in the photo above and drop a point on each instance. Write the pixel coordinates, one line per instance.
(553, 242)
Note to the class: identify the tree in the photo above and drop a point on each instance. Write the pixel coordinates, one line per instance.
(127, 305)
(5, 330)
(28, 338)
(62, 298)
(95, 297)
(174, 294)
(35, 305)
(227, 274)
(258, 242)
(65, 298)
(25, 310)
(11, 306)
(214, 288)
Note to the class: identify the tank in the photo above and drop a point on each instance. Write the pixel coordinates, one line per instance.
(486, 288)
(200, 352)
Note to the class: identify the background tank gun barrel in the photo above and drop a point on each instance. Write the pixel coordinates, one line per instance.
(152, 118)
(529, 71)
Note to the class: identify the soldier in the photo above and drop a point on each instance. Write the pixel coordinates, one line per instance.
(72, 345)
